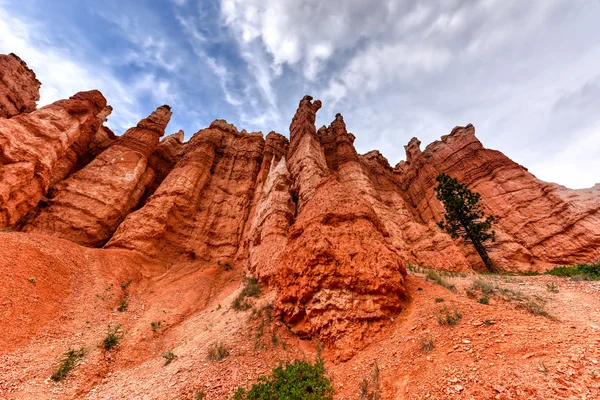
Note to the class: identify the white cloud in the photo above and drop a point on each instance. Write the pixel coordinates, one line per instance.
(405, 68)
(61, 75)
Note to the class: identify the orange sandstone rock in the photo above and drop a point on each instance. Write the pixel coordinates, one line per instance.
(32, 144)
(539, 224)
(88, 206)
(201, 208)
(19, 88)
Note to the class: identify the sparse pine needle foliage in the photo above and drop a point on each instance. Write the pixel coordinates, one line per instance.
(465, 217)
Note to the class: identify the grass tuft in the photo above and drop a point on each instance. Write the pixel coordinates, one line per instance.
(123, 306)
(251, 289)
(67, 363)
(427, 344)
(434, 276)
(113, 337)
(169, 356)
(217, 352)
(448, 317)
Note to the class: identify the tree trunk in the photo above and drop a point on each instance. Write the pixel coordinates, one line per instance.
(484, 256)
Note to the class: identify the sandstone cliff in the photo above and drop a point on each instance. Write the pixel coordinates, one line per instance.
(31, 146)
(330, 231)
(19, 88)
(88, 206)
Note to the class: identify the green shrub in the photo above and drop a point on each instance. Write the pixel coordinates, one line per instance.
(68, 362)
(299, 380)
(484, 300)
(427, 344)
(123, 306)
(551, 287)
(437, 278)
(589, 272)
(155, 326)
(251, 289)
(448, 317)
(113, 337)
(125, 285)
(439, 300)
(169, 356)
(217, 352)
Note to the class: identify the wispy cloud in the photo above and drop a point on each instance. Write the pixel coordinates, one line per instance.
(524, 73)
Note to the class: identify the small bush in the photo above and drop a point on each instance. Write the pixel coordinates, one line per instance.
(68, 362)
(488, 322)
(123, 306)
(439, 300)
(536, 309)
(589, 272)
(484, 300)
(113, 337)
(427, 344)
(299, 380)
(437, 278)
(369, 388)
(217, 352)
(484, 286)
(169, 356)
(551, 287)
(125, 285)
(251, 289)
(200, 395)
(448, 317)
(155, 326)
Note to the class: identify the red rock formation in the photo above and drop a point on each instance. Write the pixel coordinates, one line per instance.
(88, 206)
(339, 277)
(201, 208)
(19, 88)
(272, 216)
(32, 144)
(75, 152)
(539, 223)
(164, 158)
(306, 157)
(329, 230)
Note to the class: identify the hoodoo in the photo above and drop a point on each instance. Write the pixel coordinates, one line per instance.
(326, 233)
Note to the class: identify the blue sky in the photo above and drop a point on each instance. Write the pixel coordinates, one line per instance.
(525, 73)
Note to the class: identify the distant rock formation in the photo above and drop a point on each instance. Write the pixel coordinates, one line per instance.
(330, 230)
(19, 88)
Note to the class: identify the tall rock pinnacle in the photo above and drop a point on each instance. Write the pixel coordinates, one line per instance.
(88, 206)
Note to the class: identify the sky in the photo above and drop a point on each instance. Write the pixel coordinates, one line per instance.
(526, 74)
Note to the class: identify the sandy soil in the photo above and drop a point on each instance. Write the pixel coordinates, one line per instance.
(497, 350)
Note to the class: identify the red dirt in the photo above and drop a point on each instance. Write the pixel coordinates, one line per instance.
(519, 356)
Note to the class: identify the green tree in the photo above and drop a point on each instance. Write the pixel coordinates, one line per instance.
(465, 217)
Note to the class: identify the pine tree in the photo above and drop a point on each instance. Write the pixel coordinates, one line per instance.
(465, 217)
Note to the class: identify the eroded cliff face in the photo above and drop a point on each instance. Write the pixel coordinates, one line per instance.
(88, 206)
(201, 208)
(31, 146)
(330, 231)
(19, 88)
(539, 223)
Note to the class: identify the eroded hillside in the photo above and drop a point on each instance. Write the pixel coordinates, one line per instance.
(134, 230)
